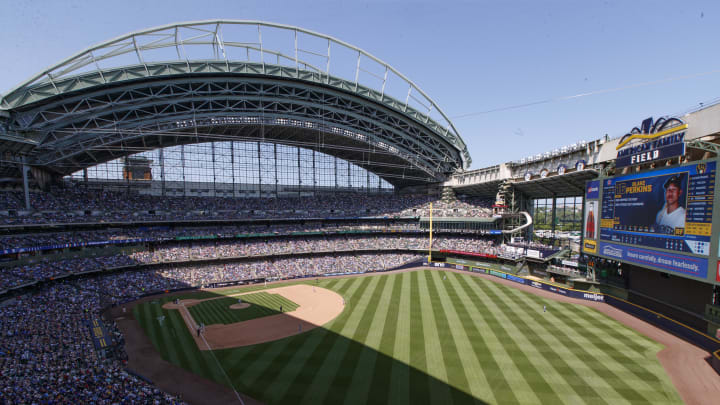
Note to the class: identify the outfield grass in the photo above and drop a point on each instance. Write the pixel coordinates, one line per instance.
(216, 311)
(416, 338)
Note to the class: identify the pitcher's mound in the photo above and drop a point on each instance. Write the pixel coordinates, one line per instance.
(239, 306)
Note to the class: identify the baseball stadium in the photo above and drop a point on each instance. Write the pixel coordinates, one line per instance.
(246, 212)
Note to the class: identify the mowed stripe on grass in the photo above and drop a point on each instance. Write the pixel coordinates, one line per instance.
(217, 311)
(420, 337)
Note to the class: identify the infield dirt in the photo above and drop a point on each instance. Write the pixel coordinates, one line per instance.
(317, 306)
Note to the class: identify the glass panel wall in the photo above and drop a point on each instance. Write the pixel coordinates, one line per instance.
(241, 169)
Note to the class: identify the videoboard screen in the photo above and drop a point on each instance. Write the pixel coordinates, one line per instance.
(661, 219)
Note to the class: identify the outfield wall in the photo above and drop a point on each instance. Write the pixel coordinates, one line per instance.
(568, 292)
(679, 298)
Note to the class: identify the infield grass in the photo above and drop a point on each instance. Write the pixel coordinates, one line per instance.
(414, 337)
(217, 311)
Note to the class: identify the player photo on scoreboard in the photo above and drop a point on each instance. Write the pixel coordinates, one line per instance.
(652, 204)
(591, 219)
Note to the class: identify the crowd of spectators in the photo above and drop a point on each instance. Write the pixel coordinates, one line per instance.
(288, 245)
(75, 237)
(160, 233)
(205, 274)
(510, 253)
(78, 204)
(566, 270)
(47, 354)
(120, 286)
(14, 276)
(212, 249)
(10, 200)
(543, 250)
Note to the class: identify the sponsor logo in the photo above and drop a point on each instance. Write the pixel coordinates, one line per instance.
(459, 266)
(580, 165)
(590, 246)
(594, 297)
(561, 169)
(544, 173)
(649, 130)
(558, 290)
(498, 274)
(612, 251)
(652, 141)
(536, 284)
(528, 176)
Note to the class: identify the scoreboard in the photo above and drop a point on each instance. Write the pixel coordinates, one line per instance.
(660, 219)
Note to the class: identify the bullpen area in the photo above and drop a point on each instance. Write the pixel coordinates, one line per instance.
(415, 337)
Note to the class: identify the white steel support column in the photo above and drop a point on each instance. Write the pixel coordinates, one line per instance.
(161, 156)
(367, 181)
(182, 163)
(212, 148)
(259, 168)
(232, 166)
(26, 187)
(299, 173)
(314, 174)
(275, 167)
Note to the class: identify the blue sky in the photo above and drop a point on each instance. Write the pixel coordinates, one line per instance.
(470, 57)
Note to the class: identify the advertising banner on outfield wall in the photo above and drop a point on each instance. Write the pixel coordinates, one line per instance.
(568, 292)
(687, 265)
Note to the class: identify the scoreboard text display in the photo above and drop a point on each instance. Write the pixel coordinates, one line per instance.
(660, 219)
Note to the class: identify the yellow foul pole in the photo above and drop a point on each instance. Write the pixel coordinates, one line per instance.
(430, 247)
